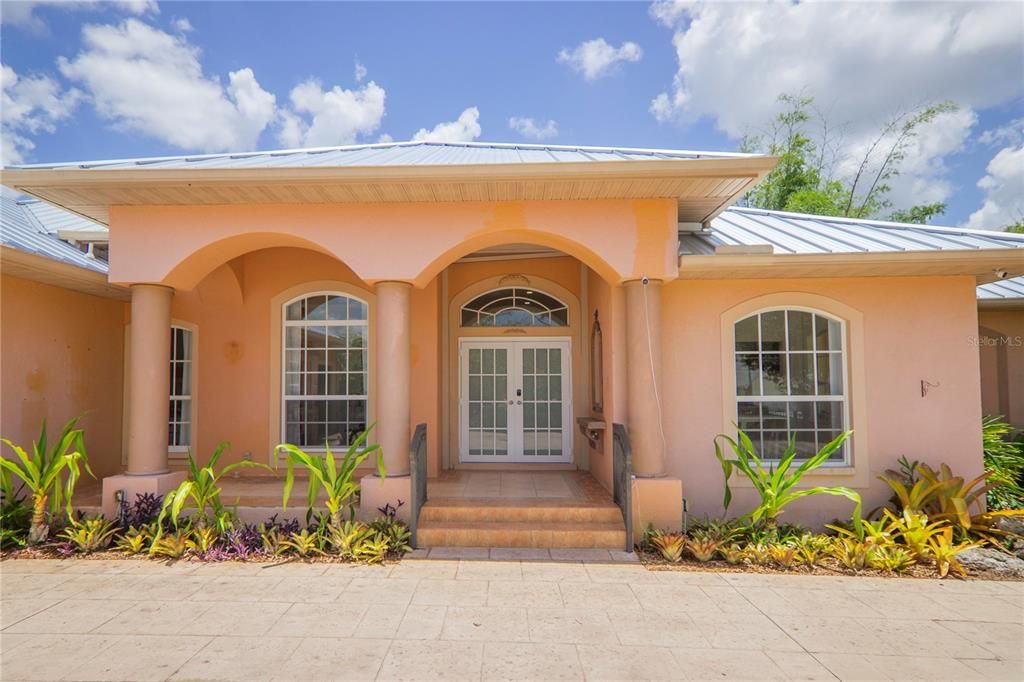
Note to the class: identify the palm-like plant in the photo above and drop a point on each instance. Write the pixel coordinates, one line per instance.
(49, 474)
(335, 478)
(203, 490)
(776, 484)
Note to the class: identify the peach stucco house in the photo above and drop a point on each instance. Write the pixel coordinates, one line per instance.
(569, 327)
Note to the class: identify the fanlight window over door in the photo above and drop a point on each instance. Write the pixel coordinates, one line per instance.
(515, 307)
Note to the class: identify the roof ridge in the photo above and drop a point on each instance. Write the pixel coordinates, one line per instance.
(385, 145)
(998, 234)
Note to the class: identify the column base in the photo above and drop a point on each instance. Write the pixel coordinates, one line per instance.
(375, 492)
(659, 502)
(133, 484)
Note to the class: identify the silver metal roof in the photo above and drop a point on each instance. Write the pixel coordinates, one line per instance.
(798, 233)
(395, 154)
(22, 229)
(1004, 290)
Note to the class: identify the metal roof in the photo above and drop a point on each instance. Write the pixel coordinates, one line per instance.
(21, 228)
(798, 233)
(1003, 290)
(395, 154)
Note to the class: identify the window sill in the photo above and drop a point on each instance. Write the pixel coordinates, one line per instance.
(850, 476)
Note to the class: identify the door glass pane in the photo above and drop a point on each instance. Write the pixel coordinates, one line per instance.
(542, 402)
(486, 395)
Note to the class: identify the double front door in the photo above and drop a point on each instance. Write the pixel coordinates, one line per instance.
(515, 400)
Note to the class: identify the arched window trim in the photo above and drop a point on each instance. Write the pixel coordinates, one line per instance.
(844, 397)
(513, 298)
(364, 396)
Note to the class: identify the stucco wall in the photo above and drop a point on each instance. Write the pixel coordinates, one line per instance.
(914, 329)
(1001, 346)
(236, 356)
(62, 355)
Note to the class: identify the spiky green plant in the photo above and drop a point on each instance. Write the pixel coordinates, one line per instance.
(134, 540)
(1004, 458)
(372, 549)
(776, 484)
(89, 534)
(336, 478)
(50, 474)
(201, 491)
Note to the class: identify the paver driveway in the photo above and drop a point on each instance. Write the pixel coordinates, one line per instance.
(477, 619)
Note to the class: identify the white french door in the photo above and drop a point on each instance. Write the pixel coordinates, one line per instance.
(515, 400)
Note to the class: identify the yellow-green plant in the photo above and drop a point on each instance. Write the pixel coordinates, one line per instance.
(783, 555)
(944, 551)
(134, 540)
(372, 549)
(914, 531)
(89, 534)
(203, 540)
(49, 474)
(776, 484)
(810, 547)
(890, 557)
(273, 539)
(733, 554)
(171, 545)
(702, 548)
(851, 552)
(304, 543)
(201, 491)
(336, 478)
(759, 553)
(346, 537)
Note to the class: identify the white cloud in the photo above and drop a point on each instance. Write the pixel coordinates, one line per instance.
(360, 71)
(336, 116)
(22, 13)
(384, 138)
(183, 25)
(596, 58)
(30, 105)
(529, 128)
(861, 59)
(464, 129)
(862, 62)
(147, 81)
(1012, 133)
(1004, 191)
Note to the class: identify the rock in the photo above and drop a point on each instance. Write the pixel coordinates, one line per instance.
(1014, 525)
(992, 560)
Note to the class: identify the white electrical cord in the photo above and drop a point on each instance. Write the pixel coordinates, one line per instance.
(644, 282)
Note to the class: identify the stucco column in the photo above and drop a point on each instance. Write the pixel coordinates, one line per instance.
(149, 378)
(393, 339)
(149, 396)
(643, 368)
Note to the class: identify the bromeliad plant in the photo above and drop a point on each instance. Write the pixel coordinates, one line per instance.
(49, 474)
(89, 534)
(335, 478)
(202, 489)
(776, 484)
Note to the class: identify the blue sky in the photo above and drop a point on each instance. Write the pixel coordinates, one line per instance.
(137, 78)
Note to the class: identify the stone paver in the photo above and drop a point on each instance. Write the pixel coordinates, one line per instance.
(495, 615)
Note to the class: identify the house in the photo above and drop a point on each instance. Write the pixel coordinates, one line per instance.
(1001, 340)
(564, 329)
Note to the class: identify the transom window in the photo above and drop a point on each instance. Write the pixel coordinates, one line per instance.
(325, 370)
(515, 307)
(179, 421)
(791, 381)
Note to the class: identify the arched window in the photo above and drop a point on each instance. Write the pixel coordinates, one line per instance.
(515, 307)
(325, 370)
(791, 381)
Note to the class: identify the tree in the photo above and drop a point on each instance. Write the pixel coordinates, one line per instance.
(809, 151)
(1016, 227)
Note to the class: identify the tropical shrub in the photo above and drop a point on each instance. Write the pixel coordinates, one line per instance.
(776, 484)
(373, 549)
(703, 549)
(733, 554)
(305, 543)
(851, 553)
(346, 537)
(335, 478)
(784, 555)
(670, 545)
(171, 545)
(49, 474)
(890, 557)
(134, 540)
(810, 548)
(1004, 459)
(143, 511)
(202, 490)
(944, 551)
(89, 534)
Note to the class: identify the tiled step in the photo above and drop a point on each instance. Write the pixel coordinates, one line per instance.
(434, 533)
(518, 510)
